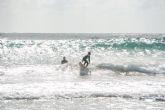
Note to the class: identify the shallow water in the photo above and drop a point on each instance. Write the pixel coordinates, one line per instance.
(81, 104)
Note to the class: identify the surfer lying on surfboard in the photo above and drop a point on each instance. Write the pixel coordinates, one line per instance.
(86, 59)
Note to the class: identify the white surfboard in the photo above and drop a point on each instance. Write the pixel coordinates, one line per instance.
(83, 70)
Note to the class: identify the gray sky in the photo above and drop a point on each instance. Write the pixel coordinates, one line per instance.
(70, 16)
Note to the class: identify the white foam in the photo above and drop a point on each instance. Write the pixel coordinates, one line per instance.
(80, 89)
(33, 82)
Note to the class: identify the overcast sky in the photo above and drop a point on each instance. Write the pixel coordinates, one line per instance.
(70, 16)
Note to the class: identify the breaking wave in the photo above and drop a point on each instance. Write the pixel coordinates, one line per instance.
(150, 70)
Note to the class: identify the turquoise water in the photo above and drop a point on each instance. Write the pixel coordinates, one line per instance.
(120, 43)
(144, 55)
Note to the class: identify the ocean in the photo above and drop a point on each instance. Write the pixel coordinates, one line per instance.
(127, 71)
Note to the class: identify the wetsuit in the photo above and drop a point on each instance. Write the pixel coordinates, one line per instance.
(86, 60)
(64, 61)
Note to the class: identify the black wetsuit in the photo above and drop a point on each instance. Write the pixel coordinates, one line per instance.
(64, 61)
(86, 60)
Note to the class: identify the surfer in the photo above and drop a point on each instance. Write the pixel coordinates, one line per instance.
(86, 59)
(64, 61)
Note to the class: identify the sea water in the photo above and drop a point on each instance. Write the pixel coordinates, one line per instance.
(127, 72)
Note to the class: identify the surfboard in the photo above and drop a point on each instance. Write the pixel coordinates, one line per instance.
(83, 70)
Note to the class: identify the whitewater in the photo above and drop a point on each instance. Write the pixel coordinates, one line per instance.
(127, 71)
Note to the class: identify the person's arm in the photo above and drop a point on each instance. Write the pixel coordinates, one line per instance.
(83, 59)
(89, 59)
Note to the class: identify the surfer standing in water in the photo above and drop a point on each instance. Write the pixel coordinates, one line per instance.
(86, 59)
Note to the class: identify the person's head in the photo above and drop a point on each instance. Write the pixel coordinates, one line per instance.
(64, 58)
(89, 53)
